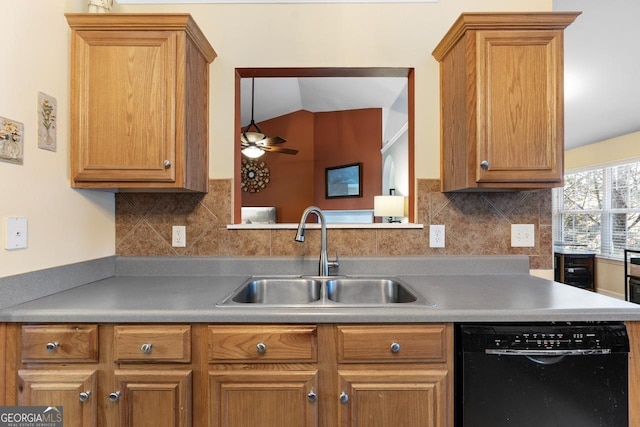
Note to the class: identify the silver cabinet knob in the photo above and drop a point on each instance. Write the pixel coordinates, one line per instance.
(395, 347)
(166, 164)
(146, 348)
(113, 397)
(312, 396)
(53, 346)
(344, 397)
(484, 164)
(84, 396)
(261, 347)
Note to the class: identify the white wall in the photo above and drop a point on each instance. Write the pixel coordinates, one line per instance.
(64, 225)
(68, 225)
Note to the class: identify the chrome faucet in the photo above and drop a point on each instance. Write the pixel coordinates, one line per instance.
(324, 264)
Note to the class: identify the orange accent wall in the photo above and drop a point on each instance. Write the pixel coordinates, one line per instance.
(323, 140)
(346, 137)
(291, 185)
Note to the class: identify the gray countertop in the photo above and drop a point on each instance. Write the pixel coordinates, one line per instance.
(463, 289)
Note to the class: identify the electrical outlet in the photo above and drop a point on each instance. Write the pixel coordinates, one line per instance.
(179, 236)
(436, 236)
(523, 235)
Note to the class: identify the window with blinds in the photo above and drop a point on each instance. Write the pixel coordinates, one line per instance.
(599, 210)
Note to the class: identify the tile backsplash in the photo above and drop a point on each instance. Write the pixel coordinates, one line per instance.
(476, 224)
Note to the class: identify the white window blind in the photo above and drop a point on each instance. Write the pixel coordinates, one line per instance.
(599, 210)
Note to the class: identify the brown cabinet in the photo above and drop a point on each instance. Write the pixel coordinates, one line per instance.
(60, 368)
(158, 397)
(125, 375)
(395, 375)
(233, 375)
(153, 376)
(73, 390)
(263, 375)
(139, 102)
(501, 101)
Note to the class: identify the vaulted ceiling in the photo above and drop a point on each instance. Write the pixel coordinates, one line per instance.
(602, 64)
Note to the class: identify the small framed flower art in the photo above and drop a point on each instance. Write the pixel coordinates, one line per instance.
(11, 141)
(47, 116)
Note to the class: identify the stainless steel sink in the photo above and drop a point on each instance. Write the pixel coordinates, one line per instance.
(276, 291)
(369, 291)
(331, 291)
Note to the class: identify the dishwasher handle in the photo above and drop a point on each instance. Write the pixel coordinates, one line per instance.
(544, 352)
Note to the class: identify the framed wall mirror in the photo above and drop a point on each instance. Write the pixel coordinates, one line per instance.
(317, 118)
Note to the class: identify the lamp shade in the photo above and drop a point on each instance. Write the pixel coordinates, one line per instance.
(388, 206)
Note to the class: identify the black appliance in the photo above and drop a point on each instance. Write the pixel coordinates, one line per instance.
(562, 374)
(634, 290)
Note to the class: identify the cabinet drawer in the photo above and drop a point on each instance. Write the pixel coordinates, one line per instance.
(262, 343)
(161, 343)
(391, 343)
(59, 343)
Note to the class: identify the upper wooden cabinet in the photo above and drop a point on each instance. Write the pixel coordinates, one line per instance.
(501, 96)
(139, 102)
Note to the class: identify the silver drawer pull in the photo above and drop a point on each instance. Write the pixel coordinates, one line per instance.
(166, 164)
(312, 396)
(261, 348)
(84, 396)
(395, 347)
(344, 397)
(146, 348)
(53, 346)
(113, 397)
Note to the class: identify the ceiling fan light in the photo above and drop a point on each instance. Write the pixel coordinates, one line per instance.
(252, 152)
(252, 137)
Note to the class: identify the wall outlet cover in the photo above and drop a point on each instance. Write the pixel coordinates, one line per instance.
(523, 235)
(179, 236)
(16, 233)
(436, 236)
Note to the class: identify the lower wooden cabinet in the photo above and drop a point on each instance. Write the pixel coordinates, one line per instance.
(389, 397)
(279, 397)
(153, 398)
(233, 375)
(74, 390)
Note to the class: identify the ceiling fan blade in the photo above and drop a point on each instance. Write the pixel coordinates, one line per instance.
(279, 149)
(270, 140)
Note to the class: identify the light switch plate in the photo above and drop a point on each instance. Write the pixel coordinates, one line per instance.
(16, 233)
(523, 236)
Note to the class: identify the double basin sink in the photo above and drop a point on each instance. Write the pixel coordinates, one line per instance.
(331, 291)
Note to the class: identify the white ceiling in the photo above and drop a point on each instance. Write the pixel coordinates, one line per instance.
(602, 67)
(602, 83)
(276, 96)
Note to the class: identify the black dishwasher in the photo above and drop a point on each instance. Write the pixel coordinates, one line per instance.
(561, 374)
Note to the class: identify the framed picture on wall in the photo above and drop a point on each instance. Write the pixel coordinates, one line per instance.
(343, 181)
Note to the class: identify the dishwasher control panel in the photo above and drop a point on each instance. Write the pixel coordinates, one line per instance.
(545, 336)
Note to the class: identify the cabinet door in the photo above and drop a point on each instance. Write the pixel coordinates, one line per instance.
(73, 390)
(520, 107)
(159, 398)
(123, 106)
(383, 398)
(263, 398)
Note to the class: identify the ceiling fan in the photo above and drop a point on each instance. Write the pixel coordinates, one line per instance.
(255, 144)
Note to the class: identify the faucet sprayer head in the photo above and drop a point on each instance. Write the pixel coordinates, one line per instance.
(299, 234)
